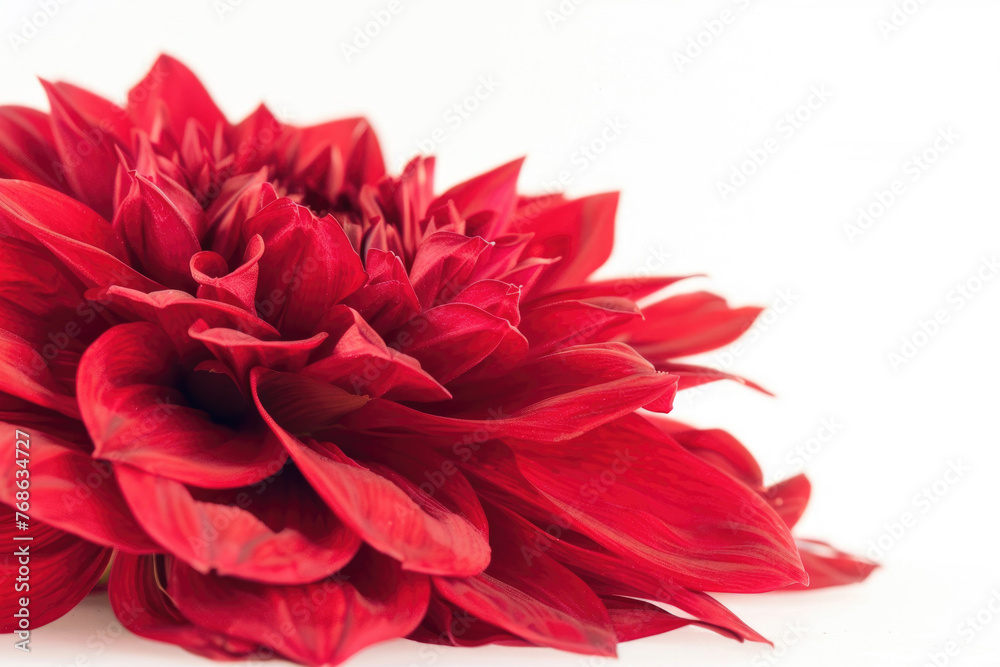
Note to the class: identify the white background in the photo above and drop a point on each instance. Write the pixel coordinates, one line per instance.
(687, 125)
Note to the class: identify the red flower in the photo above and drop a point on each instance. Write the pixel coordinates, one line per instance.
(311, 406)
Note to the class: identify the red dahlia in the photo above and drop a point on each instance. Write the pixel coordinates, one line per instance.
(309, 406)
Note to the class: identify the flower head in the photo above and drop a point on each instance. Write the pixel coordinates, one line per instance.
(312, 406)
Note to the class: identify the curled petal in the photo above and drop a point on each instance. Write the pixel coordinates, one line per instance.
(142, 604)
(323, 623)
(274, 532)
(237, 287)
(242, 352)
(308, 266)
(127, 386)
(362, 363)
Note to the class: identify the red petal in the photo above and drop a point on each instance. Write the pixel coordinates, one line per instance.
(158, 235)
(387, 300)
(361, 363)
(81, 239)
(545, 604)
(176, 312)
(136, 415)
(87, 150)
(73, 492)
(635, 619)
(633, 289)
(172, 91)
(64, 569)
(496, 297)
(413, 528)
(716, 447)
(687, 324)
(580, 231)
(433, 338)
(556, 397)
(143, 606)
(24, 373)
(237, 287)
(828, 566)
(27, 150)
(693, 376)
(443, 265)
(685, 516)
(609, 574)
(495, 191)
(309, 265)
(447, 624)
(560, 324)
(789, 498)
(324, 623)
(242, 352)
(274, 532)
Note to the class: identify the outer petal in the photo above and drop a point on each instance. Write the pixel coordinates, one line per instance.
(612, 576)
(828, 566)
(87, 150)
(143, 605)
(136, 415)
(370, 601)
(75, 234)
(560, 324)
(584, 387)
(687, 324)
(64, 569)
(274, 532)
(683, 516)
(545, 603)
(25, 374)
(73, 492)
(449, 625)
(27, 150)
